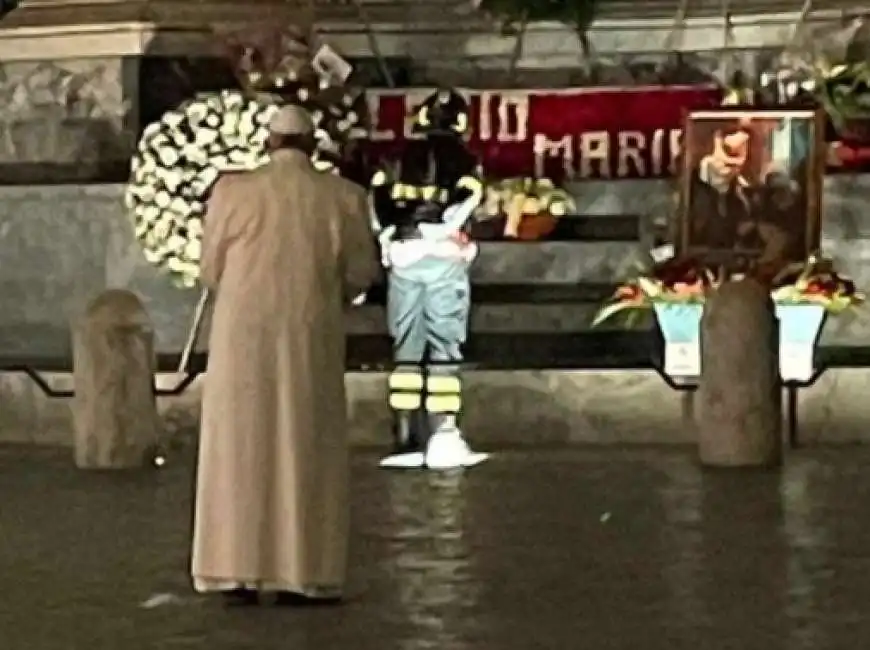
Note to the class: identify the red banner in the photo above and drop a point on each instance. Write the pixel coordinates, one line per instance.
(579, 133)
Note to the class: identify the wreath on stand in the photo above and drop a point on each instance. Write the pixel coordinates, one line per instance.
(180, 156)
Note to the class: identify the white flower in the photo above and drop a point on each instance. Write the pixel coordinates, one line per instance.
(152, 256)
(196, 112)
(208, 176)
(194, 224)
(205, 137)
(221, 162)
(303, 94)
(162, 200)
(179, 139)
(168, 156)
(173, 119)
(150, 131)
(193, 250)
(163, 226)
(172, 179)
(194, 154)
(230, 124)
(246, 126)
(214, 103)
(150, 213)
(232, 99)
(159, 140)
(149, 165)
(213, 120)
(176, 243)
(180, 206)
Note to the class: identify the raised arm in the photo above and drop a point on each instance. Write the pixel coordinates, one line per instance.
(456, 215)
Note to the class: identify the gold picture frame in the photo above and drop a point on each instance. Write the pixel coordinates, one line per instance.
(751, 187)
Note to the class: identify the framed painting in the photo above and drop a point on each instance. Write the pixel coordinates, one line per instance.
(751, 187)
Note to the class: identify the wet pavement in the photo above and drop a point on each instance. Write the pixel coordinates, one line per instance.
(563, 549)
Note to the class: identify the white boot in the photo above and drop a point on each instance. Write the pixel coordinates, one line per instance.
(447, 448)
(405, 460)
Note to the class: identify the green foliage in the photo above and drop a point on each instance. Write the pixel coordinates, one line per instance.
(844, 91)
(576, 13)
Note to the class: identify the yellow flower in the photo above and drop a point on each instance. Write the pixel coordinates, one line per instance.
(531, 205)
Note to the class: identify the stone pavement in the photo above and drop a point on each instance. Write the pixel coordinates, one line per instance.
(568, 549)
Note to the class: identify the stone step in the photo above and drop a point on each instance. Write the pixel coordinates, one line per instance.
(371, 319)
(556, 262)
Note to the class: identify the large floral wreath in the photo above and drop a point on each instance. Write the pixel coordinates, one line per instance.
(180, 157)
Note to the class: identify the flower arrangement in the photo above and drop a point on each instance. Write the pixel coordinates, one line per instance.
(671, 281)
(180, 157)
(177, 161)
(689, 281)
(844, 91)
(816, 282)
(530, 207)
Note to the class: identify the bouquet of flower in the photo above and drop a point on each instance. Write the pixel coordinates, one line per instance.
(816, 282)
(672, 281)
(529, 206)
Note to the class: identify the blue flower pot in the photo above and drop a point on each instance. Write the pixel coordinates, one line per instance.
(681, 327)
(799, 329)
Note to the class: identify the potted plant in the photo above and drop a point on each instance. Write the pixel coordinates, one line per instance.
(804, 295)
(522, 208)
(844, 91)
(675, 290)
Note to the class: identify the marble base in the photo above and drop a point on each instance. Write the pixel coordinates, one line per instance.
(504, 409)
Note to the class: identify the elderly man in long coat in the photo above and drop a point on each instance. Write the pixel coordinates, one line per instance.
(285, 249)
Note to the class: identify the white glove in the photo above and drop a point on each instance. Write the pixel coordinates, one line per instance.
(385, 240)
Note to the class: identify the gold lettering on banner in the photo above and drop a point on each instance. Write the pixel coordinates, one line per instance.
(484, 123)
(545, 148)
(377, 134)
(595, 148)
(514, 105)
(676, 146)
(655, 151)
(413, 99)
(630, 147)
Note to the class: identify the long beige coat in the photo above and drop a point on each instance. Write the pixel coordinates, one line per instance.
(285, 247)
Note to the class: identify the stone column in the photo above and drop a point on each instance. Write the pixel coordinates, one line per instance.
(739, 418)
(115, 408)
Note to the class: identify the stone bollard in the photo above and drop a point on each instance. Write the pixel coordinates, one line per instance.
(739, 416)
(115, 417)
